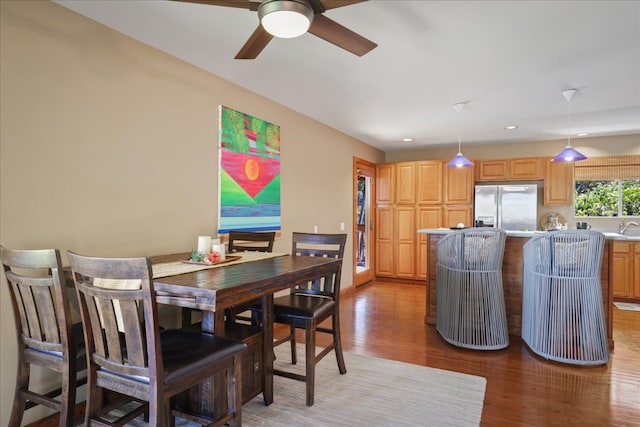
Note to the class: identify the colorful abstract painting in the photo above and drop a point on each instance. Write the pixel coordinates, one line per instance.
(249, 182)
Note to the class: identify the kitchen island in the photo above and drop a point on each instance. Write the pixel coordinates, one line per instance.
(512, 269)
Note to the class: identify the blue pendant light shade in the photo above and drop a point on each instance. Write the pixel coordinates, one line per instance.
(459, 161)
(569, 154)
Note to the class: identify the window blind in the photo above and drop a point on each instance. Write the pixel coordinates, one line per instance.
(608, 168)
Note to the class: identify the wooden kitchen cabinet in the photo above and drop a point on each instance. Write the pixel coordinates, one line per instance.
(626, 271)
(412, 196)
(492, 170)
(384, 241)
(395, 241)
(385, 183)
(429, 182)
(458, 186)
(427, 217)
(396, 183)
(520, 169)
(558, 183)
(530, 168)
(454, 215)
(405, 244)
(405, 185)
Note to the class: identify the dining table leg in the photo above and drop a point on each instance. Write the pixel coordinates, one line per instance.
(267, 350)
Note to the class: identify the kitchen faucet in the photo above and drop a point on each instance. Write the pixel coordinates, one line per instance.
(624, 225)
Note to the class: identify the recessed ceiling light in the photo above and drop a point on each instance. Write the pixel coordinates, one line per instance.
(511, 127)
(407, 139)
(582, 134)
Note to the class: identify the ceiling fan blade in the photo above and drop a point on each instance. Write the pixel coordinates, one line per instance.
(334, 4)
(243, 4)
(258, 41)
(340, 36)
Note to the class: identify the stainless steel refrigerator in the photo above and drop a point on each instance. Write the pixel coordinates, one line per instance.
(510, 207)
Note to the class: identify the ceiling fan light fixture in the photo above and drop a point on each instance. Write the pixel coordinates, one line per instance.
(285, 18)
(569, 154)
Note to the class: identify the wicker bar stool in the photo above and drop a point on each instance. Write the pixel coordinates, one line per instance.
(470, 298)
(562, 313)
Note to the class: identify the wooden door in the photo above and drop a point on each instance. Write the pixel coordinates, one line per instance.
(363, 222)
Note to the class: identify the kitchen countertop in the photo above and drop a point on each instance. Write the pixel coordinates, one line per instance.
(607, 235)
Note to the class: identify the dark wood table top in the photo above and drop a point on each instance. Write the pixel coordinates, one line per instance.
(218, 288)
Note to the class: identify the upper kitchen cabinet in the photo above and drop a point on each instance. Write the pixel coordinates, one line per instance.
(531, 168)
(385, 183)
(458, 186)
(396, 183)
(429, 182)
(406, 183)
(558, 183)
(520, 169)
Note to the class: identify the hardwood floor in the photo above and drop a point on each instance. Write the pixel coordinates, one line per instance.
(386, 320)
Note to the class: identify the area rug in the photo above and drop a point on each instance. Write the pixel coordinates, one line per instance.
(628, 306)
(374, 392)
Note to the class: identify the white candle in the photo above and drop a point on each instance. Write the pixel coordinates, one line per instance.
(204, 244)
(220, 249)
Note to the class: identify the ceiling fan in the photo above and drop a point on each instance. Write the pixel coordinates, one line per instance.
(316, 22)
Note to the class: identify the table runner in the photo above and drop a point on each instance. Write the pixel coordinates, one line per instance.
(165, 269)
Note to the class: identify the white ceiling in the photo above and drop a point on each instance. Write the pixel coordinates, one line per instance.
(509, 60)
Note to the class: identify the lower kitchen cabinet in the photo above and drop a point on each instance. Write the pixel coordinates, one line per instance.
(396, 242)
(626, 271)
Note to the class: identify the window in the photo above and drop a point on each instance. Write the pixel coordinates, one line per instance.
(607, 198)
(608, 186)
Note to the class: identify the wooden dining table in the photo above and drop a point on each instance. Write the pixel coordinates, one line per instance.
(213, 290)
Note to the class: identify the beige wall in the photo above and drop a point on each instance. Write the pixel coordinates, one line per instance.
(108, 147)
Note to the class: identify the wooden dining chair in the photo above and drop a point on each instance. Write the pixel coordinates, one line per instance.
(254, 241)
(309, 304)
(130, 355)
(242, 241)
(46, 334)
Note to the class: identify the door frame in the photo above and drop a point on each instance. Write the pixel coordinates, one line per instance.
(370, 171)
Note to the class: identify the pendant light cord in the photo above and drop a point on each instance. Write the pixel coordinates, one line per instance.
(569, 121)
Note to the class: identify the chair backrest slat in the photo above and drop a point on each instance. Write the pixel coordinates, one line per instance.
(251, 241)
(321, 245)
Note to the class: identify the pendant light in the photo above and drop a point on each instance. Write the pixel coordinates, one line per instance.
(459, 161)
(569, 154)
